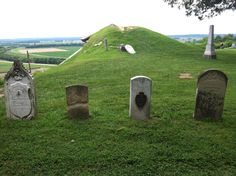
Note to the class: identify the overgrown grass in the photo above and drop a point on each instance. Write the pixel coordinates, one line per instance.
(110, 143)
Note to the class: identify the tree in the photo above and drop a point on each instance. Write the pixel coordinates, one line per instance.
(228, 37)
(218, 39)
(203, 8)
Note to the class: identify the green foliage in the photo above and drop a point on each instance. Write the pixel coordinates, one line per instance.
(110, 143)
(1, 82)
(205, 8)
(228, 37)
(219, 41)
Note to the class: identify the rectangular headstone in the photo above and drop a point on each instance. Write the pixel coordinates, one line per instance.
(210, 50)
(140, 97)
(77, 101)
(211, 88)
(19, 93)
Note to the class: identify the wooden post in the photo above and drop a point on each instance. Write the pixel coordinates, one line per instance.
(105, 44)
(29, 61)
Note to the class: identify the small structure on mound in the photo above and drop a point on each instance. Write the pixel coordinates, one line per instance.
(85, 39)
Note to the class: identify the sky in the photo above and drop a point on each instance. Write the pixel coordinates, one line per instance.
(79, 18)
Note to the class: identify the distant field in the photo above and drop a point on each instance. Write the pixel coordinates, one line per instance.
(41, 50)
(59, 52)
(47, 55)
(63, 53)
(5, 66)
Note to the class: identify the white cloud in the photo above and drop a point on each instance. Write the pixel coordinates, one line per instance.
(55, 18)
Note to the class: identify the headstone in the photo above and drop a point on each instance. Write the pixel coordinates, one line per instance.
(233, 45)
(130, 49)
(127, 48)
(106, 44)
(77, 101)
(19, 93)
(140, 97)
(210, 50)
(211, 88)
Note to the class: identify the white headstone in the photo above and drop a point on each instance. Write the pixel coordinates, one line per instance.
(19, 93)
(210, 50)
(130, 49)
(140, 97)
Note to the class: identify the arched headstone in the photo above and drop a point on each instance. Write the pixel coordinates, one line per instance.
(140, 97)
(19, 93)
(210, 94)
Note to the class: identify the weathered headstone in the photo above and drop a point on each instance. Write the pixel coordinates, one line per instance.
(140, 97)
(77, 101)
(19, 93)
(106, 44)
(210, 50)
(211, 88)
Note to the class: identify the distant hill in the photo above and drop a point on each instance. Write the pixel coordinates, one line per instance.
(37, 40)
(190, 37)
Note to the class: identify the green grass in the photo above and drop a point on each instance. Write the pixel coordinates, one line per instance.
(110, 143)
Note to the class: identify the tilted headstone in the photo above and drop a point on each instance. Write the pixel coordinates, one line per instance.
(140, 97)
(130, 49)
(77, 101)
(210, 50)
(19, 93)
(210, 94)
(106, 44)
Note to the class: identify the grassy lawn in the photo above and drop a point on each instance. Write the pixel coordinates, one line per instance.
(110, 143)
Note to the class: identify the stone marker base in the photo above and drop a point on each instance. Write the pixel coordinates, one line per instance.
(80, 111)
(210, 56)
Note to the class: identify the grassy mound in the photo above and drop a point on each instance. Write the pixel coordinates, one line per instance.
(110, 143)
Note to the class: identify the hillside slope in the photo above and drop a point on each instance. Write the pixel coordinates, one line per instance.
(110, 143)
(144, 41)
